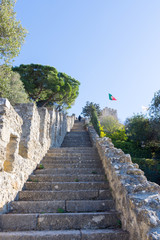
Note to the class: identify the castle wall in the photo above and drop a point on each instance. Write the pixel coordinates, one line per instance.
(137, 199)
(108, 112)
(26, 133)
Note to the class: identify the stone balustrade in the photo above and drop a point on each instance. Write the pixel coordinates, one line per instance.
(26, 133)
(137, 199)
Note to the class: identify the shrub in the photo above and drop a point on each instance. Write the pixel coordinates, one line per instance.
(94, 120)
(150, 167)
(102, 133)
(133, 149)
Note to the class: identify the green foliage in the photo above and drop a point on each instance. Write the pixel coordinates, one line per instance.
(154, 109)
(114, 129)
(12, 33)
(102, 133)
(94, 172)
(154, 147)
(88, 108)
(46, 86)
(40, 166)
(60, 210)
(16, 91)
(150, 167)
(119, 224)
(94, 120)
(5, 75)
(11, 87)
(133, 149)
(111, 124)
(119, 134)
(139, 129)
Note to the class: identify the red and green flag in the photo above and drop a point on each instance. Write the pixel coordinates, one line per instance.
(111, 97)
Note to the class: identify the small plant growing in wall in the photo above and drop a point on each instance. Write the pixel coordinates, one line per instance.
(94, 172)
(40, 166)
(60, 210)
(119, 223)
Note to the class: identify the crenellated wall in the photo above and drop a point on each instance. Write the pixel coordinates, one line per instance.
(137, 199)
(26, 133)
(108, 112)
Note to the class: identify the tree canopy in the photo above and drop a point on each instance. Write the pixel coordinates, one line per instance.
(154, 109)
(46, 86)
(88, 109)
(111, 124)
(12, 33)
(113, 128)
(12, 88)
(139, 129)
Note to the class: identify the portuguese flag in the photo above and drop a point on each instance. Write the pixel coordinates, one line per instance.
(111, 97)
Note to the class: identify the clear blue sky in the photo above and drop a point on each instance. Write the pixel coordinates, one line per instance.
(110, 46)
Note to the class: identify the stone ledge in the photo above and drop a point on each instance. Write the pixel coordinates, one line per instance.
(137, 199)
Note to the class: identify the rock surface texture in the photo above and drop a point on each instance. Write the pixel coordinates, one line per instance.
(66, 198)
(26, 134)
(137, 199)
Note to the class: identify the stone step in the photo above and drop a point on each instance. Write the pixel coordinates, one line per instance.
(71, 165)
(80, 140)
(71, 145)
(99, 234)
(77, 139)
(90, 205)
(58, 221)
(72, 154)
(70, 171)
(75, 144)
(64, 195)
(70, 161)
(61, 206)
(67, 178)
(65, 186)
(72, 158)
(77, 133)
(71, 149)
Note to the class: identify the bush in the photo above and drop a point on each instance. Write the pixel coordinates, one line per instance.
(150, 167)
(102, 133)
(133, 149)
(11, 87)
(94, 120)
(118, 134)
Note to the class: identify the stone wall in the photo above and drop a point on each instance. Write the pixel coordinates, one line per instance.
(108, 112)
(137, 199)
(26, 133)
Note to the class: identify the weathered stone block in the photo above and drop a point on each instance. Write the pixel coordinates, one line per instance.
(25, 136)
(135, 197)
(18, 222)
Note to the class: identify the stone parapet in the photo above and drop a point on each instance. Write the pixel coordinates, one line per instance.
(137, 199)
(26, 134)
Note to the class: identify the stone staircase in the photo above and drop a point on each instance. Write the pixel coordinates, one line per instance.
(66, 198)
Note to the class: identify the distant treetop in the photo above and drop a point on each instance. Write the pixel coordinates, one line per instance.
(89, 107)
